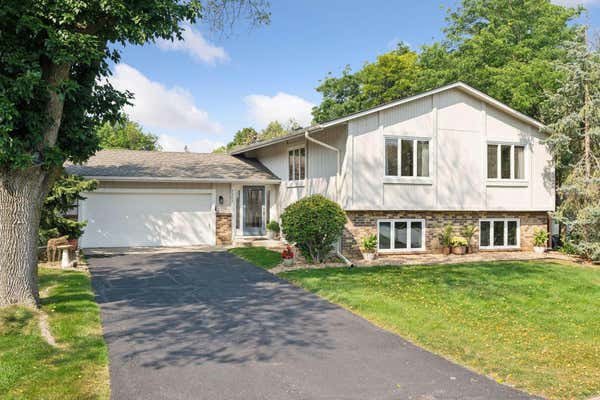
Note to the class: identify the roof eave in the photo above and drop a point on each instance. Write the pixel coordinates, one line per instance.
(182, 180)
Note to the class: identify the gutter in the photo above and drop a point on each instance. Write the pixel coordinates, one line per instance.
(337, 165)
(181, 180)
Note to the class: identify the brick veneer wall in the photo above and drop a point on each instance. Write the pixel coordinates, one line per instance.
(223, 228)
(362, 223)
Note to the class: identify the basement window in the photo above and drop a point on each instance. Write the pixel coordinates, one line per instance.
(499, 233)
(401, 234)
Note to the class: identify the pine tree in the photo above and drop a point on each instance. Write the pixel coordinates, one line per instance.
(575, 144)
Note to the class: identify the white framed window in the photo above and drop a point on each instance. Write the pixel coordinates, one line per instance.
(400, 235)
(506, 161)
(499, 233)
(406, 157)
(297, 164)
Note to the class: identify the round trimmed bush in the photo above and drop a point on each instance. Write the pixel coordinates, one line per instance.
(313, 223)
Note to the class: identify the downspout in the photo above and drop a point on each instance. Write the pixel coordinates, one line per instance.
(337, 181)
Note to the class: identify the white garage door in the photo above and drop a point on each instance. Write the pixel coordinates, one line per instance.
(148, 218)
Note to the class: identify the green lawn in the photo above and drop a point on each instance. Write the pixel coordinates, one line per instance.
(78, 368)
(534, 325)
(258, 256)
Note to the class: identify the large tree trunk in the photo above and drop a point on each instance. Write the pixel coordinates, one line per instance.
(22, 193)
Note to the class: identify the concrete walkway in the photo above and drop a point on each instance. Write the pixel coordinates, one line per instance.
(207, 325)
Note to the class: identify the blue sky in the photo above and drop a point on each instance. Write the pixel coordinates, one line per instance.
(198, 93)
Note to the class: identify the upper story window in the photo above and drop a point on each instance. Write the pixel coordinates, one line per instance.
(297, 164)
(505, 161)
(406, 157)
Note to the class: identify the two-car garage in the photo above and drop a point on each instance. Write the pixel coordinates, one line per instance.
(156, 198)
(148, 217)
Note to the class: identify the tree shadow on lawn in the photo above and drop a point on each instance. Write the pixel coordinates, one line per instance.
(191, 308)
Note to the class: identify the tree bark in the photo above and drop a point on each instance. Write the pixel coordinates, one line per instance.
(22, 193)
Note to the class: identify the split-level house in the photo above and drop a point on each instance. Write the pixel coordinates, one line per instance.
(401, 171)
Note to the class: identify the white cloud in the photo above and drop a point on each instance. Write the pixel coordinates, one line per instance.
(195, 45)
(574, 3)
(281, 107)
(172, 143)
(158, 107)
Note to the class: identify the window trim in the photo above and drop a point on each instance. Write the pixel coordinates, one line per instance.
(499, 181)
(506, 246)
(412, 179)
(409, 221)
(297, 182)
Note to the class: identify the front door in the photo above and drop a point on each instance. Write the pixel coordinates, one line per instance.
(254, 208)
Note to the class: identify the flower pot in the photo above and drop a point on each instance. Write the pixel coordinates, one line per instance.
(288, 262)
(445, 250)
(539, 249)
(270, 235)
(459, 250)
(369, 256)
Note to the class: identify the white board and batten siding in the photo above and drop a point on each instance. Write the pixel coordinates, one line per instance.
(459, 128)
(148, 217)
(320, 166)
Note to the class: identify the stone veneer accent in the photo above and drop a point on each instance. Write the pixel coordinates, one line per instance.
(362, 223)
(224, 228)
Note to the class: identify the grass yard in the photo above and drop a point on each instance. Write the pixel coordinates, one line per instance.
(258, 256)
(78, 367)
(534, 325)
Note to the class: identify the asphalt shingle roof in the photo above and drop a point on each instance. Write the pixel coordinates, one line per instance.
(159, 164)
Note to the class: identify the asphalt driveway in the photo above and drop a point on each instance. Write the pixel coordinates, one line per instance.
(207, 325)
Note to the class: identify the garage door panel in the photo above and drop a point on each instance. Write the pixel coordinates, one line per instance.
(147, 219)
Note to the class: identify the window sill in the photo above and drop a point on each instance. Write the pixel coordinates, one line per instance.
(408, 180)
(499, 248)
(400, 251)
(295, 184)
(507, 183)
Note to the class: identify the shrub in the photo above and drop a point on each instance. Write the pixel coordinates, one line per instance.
(540, 237)
(313, 223)
(273, 226)
(446, 235)
(369, 243)
(458, 241)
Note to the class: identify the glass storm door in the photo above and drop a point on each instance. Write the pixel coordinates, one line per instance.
(254, 207)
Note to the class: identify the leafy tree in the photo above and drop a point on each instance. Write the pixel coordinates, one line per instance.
(504, 48)
(126, 135)
(314, 223)
(273, 130)
(243, 137)
(54, 58)
(247, 136)
(575, 143)
(393, 75)
(65, 192)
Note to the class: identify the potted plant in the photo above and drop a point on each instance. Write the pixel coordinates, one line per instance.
(459, 245)
(368, 247)
(468, 231)
(540, 239)
(446, 238)
(288, 256)
(273, 230)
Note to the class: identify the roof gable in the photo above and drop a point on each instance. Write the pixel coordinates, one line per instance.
(458, 85)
